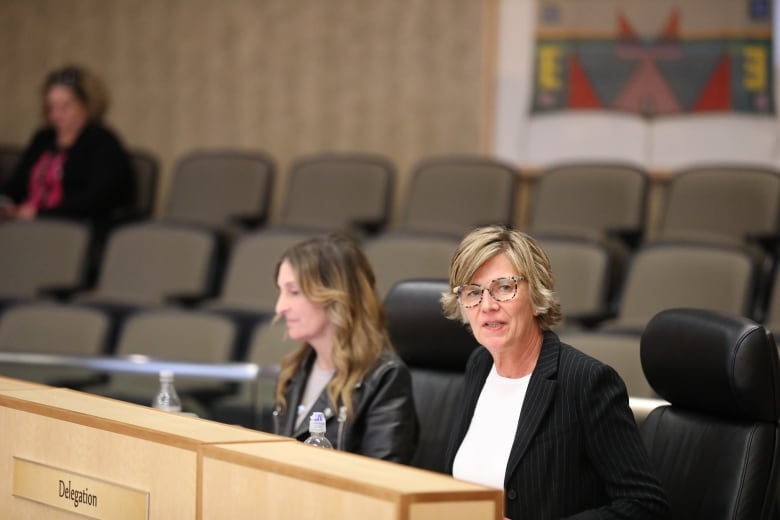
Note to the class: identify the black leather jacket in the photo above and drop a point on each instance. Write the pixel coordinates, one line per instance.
(384, 425)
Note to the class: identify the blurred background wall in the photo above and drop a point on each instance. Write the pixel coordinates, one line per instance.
(405, 78)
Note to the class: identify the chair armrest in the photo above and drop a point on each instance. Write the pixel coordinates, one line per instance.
(769, 242)
(591, 320)
(367, 226)
(629, 236)
(187, 299)
(249, 220)
(61, 292)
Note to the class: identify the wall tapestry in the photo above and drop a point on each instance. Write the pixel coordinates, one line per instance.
(654, 57)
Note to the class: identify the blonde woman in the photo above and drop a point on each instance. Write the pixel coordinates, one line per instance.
(541, 420)
(345, 366)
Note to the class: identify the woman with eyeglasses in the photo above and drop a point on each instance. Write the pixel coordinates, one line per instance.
(541, 420)
(345, 367)
(74, 167)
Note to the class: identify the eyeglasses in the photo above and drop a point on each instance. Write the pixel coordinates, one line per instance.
(500, 289)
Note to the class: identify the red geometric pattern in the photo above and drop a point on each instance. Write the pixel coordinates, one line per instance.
(581, 93)
(717, 94)
(656, 75)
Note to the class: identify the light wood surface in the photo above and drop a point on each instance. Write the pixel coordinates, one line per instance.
(128, 419)
(122, 443)
(194, 468)
(8, 383)
(167, 472)
(292, 480)
(404, 80)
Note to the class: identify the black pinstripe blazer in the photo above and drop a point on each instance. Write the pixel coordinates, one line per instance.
(577, 451)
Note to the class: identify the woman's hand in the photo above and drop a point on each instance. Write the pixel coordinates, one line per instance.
(26, 212)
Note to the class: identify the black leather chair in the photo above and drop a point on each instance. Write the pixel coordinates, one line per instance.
(715, 446)
(436, 350)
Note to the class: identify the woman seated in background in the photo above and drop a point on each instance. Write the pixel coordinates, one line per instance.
(346, 366)
(74, 167)
(542, 421)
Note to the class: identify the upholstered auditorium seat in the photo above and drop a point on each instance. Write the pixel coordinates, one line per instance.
(146, 170)
(600, 199)
(723, 203)
(248, 292)
(221, 188)
(436, 350)
(53, 329)
(620, 351)
(338, 191)
(9, 157)
(687, 274)
(151, 262)
(715, 446)
(252, 405)
(454, 193)
(171, 335)
(397, 256)
(584, 276)
(145, 167)
(39, 254)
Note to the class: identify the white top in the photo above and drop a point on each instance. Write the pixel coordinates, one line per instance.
(318, 380)
(484, 453)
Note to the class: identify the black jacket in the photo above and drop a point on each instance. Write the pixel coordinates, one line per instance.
(577, 451)
(96, 178)
(384, 425)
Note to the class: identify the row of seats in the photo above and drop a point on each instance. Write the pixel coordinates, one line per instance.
(413, 316)
(717, 375)
(156, 263)
(581, 210)
(229, 189)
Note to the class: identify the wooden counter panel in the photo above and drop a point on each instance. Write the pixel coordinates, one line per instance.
(325, 477)
(437, 510)
(162, 470)
(194, 468)
(9, 383)
(234, 491)
(129, 419)
(113, 441)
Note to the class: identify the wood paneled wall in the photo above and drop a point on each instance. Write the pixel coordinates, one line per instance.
(406, 78)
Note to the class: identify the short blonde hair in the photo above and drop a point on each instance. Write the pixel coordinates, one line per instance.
(526, 256)
(87, 87)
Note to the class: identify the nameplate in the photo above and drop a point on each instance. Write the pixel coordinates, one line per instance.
(76, 493)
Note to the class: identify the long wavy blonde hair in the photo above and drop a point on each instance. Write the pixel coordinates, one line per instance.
(333, 271)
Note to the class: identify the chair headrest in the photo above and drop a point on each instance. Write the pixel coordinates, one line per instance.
(712, 362)
(420, 333)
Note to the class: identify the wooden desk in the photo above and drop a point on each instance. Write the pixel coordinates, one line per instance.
(7, 383)
(56, 440)
(292, 480)
(99, 438)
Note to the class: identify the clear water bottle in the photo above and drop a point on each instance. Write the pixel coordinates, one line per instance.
(167, 399)
(317, 431)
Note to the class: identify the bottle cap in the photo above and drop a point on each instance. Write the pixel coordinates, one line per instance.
(317, 422)
(166, 375)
